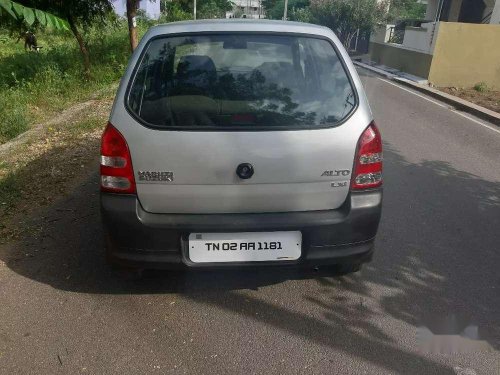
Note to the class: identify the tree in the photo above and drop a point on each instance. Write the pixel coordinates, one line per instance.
(173, 11)
(214, 8)
(20, 13)
(406, 9)
(80, 14)
(274, 9)
(268, 5)
(132, 7)
(348, 17)
(177, 10)
(300, 14)
(205, 9)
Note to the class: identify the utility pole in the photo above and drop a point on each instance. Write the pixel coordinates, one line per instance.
(285, 11)
(194, 10)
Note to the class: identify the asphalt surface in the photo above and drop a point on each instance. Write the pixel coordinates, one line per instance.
(437, 265)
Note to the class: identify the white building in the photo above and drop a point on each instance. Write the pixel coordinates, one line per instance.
(150, 7)
(246, 9)
(456, 44)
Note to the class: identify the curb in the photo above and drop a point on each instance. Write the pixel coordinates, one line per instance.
(458, 103)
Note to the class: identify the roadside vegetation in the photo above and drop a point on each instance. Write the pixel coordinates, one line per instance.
(62, 94)
(84, 48)
(481, 87)
(35, 86)
(63, 154)
(346, 17)
(65, 110)
(50, 93)
(479, 94)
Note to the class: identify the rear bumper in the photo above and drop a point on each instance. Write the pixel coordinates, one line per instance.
(136, 237)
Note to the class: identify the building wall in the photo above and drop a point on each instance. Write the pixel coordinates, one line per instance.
(455, 7)
(413, 62)
(431, 10)
(250, 8)
(495, 16)
(381, 34)
(421, 39)
(466, 54)
(490, 5)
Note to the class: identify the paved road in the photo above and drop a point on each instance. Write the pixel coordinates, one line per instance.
(437, 265)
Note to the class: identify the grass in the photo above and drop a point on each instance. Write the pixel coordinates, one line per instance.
(34, 174)
(10, 191)
(35, 86)
(488, 98)
(481, 87)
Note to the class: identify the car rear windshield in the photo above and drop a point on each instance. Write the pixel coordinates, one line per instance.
(240, 81)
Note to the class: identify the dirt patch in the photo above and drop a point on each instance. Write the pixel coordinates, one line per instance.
(53, 161)
(487, 99)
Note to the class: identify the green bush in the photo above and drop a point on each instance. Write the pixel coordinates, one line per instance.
(174, 12)
(12, 114)
(481, 87)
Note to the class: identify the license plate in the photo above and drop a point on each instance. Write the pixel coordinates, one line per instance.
(244, 247)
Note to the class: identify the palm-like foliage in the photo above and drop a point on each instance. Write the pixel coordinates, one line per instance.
(29, 15)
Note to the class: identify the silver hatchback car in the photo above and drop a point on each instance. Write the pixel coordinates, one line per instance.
(240, 143)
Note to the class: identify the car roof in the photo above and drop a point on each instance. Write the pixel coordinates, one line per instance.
(239, 25)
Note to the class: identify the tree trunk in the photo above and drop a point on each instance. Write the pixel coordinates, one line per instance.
(81, 43)
(132, 6)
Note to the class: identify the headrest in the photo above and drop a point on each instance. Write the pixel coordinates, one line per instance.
(198, 63)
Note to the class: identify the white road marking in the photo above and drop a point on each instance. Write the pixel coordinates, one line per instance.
(476, 121)
(464, 371)
(414, 93)
(441, 105)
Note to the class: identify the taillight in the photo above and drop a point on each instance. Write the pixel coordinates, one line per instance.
(368, 161)
(117, 175)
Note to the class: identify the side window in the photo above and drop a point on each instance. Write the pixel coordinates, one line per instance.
(306, 62)
(328, 67)
(153, 82)
(329, 77)
(138, 88)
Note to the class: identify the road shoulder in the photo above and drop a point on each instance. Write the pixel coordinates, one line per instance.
(456, 102)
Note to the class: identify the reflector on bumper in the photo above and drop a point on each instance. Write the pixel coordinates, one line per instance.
(112, 182)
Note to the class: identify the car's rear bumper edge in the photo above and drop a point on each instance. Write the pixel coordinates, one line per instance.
(344, 235)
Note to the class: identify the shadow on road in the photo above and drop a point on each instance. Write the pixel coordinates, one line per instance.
(437, 254)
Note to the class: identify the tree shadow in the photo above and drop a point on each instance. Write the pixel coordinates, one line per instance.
(437, 254)
(444, 260)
